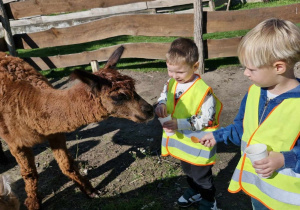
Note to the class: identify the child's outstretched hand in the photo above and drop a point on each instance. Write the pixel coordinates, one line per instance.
(170, 126)
(208, 140)
(268, 165)
(161, 110)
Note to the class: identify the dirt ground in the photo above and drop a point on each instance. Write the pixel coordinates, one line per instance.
(122, 158)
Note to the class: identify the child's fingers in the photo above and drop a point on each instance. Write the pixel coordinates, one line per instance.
(165, 113)
(261, 162)
(207, 144)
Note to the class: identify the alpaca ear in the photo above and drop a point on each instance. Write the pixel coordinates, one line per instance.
(114, 58)
(91, 80)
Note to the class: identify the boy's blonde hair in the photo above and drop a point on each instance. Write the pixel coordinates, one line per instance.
(270, 41)
(183, 51)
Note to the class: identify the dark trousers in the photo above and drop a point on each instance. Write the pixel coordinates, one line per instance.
(200, 179)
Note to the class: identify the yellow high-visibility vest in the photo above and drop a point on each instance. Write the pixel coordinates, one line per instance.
(180, 145)
(279, 131)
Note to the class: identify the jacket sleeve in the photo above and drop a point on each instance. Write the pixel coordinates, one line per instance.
(163, 95)
(292, 158)
(233, 132)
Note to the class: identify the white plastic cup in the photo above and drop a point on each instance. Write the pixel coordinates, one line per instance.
(166, 119)
(257, 152)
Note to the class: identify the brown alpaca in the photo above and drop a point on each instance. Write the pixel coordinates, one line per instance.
(32, 111)
(8, 201)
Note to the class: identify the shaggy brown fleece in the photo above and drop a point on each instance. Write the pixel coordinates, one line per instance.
(32, 111)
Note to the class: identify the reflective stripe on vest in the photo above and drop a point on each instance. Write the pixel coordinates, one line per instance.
(279, 131)
(180, 145)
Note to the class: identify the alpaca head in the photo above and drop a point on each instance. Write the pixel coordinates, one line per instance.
(8, 200)
(116, 92)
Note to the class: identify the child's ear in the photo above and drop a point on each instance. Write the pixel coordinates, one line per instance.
(196, 66)
(280, 67)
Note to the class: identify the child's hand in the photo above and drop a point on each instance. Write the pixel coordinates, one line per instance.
(208, 140)
(161, 110)
(170, 126)
(268, 165)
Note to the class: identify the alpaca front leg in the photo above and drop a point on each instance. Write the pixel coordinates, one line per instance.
(25, 158)
(67, 166)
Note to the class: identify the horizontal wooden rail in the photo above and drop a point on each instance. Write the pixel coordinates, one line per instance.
(213, 49)
(152, 25)
(45, 7)
(246, 19)
(136, 25)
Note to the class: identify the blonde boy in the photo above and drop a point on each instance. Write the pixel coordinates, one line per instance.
(194, 110)
(269, 114)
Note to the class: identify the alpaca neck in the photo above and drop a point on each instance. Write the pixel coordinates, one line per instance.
(67, 110)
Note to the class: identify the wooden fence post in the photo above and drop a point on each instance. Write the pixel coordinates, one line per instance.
(7, 30)
(198, 13)
(95, 65)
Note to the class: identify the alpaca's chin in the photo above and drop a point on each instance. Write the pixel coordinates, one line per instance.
(143, 119)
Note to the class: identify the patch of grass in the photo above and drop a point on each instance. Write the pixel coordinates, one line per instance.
(271, 3)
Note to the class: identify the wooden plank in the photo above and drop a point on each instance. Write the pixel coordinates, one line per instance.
(151, 25)
(8, 37)
(136, 25)
(95, 66)
(169, 3)
(132, 50)
(215, 49)
(46, 7)
(247, 19)
(198, 33)
(76, 16)
(8, 1)
(219, 48)
(43, 23)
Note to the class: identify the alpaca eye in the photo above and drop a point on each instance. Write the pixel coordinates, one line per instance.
(118, 99)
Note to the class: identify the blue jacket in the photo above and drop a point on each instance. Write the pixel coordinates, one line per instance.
(234, 131)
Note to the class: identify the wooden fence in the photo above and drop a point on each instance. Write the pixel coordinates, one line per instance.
(135, 17)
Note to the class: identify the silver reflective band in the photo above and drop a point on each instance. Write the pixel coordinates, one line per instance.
(243, 146)
(190, 150)
(274, 192)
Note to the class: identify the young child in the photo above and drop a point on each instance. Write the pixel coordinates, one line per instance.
(195, 110)
(8, 201)
(269, 114)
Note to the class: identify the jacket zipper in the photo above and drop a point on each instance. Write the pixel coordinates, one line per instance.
(265, 107)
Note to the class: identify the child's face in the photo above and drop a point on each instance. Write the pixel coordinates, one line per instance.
(182, 73)
(262, 77)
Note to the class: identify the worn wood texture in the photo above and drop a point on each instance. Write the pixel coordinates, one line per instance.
(170, 3)
(247, 19)
(132, 50)
(198, 33)
(8, 37)
(151, 25)
(136, 25)
(221, 48)
(212, 48)
(46, 7)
